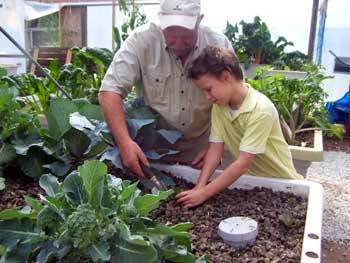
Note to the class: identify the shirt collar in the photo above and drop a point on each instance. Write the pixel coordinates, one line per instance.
(248, 104)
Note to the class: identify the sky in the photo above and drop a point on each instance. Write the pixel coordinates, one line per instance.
(288, 18)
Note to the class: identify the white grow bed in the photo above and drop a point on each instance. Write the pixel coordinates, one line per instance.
(311, 251)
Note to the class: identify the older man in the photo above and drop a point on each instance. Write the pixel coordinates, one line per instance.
(155, 59)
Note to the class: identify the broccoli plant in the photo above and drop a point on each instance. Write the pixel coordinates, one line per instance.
(92, 217)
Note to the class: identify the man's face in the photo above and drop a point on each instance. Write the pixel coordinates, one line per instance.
(180, 40)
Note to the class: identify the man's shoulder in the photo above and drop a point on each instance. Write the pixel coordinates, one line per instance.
(212, 37)
(147, 31)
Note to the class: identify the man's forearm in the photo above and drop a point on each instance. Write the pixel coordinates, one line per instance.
(112, 108)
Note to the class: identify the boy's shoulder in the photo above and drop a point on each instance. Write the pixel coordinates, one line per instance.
(263, 104)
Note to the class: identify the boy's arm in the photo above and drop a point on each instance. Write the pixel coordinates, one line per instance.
(211, 161)
(230, 174)
(197, 196)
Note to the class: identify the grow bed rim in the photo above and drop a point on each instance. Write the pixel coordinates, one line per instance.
(312, 191)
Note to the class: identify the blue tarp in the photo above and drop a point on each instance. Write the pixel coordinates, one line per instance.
(339, 111)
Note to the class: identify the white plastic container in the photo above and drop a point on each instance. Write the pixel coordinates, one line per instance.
(238, 231)
(311, 251)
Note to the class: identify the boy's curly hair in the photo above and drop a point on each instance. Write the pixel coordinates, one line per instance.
(214, 60)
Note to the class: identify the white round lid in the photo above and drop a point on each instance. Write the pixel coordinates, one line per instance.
(238, 229)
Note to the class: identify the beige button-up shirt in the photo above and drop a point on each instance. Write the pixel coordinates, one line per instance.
(145, 62)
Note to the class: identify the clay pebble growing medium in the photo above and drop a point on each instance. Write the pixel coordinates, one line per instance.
(280, 217)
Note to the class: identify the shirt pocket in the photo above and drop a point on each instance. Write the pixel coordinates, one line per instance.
(158, 86)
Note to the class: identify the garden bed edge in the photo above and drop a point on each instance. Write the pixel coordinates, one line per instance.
(311, 248)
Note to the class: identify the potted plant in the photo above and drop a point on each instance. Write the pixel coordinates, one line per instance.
(300, 103)
(254, 47)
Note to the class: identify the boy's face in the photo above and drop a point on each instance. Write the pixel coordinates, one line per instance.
(217, 90)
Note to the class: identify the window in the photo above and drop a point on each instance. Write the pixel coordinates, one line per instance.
(43, 32)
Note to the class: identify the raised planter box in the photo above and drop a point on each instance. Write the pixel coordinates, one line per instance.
(303, 156)
(313, 192)
(250, 72)
(288, 73)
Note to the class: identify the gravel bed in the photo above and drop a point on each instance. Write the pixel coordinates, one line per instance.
(280, 217)
(334, 175)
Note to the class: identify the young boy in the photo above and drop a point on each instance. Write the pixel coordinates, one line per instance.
(243, 119)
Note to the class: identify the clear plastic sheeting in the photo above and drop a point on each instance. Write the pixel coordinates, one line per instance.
(13, 23)
(13, 13)
(35, 10)
(9, 15)
(15, 10)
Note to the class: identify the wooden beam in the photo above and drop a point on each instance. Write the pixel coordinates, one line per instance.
(35, 57)
(73, 26)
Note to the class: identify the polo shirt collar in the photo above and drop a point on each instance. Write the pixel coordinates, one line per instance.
(248, 104)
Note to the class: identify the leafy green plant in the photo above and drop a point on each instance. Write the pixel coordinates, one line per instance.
(81, 79)
(134, 18)
(25, 144)
(12, 119)
(253, 44)
(77, 132)
(68, 145)
(20, 144)
(295, 60)
(142, 127)
(92, 216)
(300, 103)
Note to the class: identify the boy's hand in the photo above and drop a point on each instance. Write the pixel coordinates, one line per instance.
(192, 198)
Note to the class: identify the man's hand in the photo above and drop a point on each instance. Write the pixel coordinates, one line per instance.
(192, 198)
(131, 155)
(198, 162)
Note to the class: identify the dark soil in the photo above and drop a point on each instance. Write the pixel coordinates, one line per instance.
(305, 139)
(280, 217)
(334, 252)
(329, 144)
(16, 187)
(333, 144)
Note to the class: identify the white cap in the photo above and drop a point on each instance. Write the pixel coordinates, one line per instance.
(183, 13)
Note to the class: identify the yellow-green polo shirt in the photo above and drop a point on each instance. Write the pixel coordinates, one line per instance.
(254, 128)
